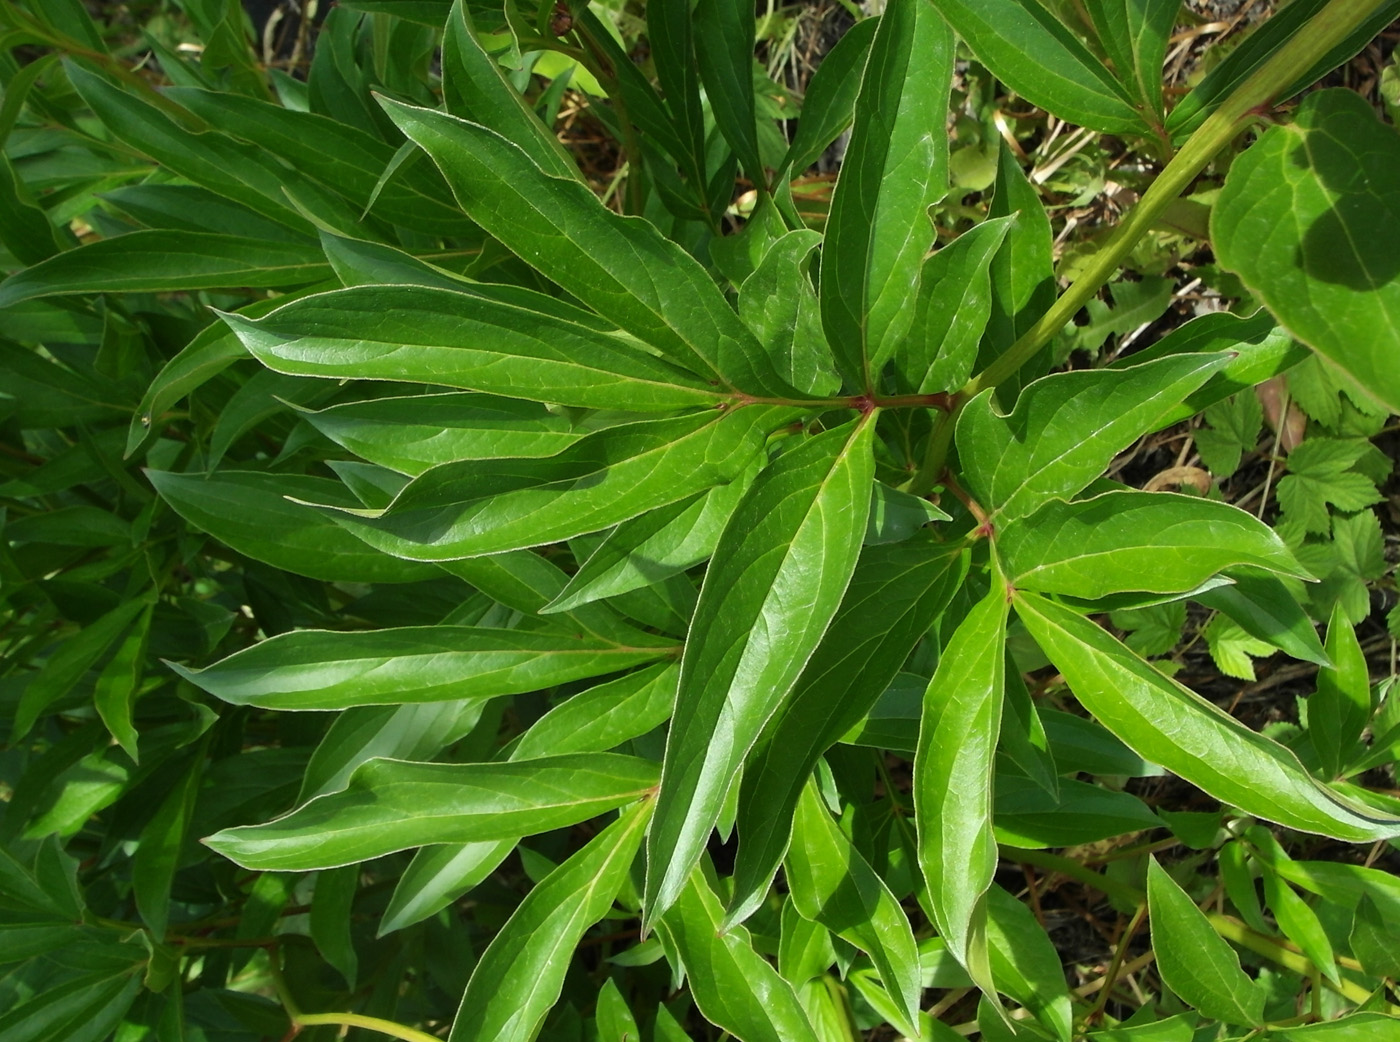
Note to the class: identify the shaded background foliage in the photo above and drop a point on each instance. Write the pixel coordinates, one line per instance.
(120, 393)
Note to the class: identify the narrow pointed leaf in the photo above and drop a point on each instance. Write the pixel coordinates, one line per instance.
(1307, 218)
(778, 303)
(249, 511)
(953, 771)
(829, 104)
(832, 884)
(437, 876)
(474, 507)
(1194, 960)
(416, 433)
(1026, 964)
(393, 805)
(463, 339)
(475, 88)
(521, 973)
(1030, 50)
(653, 547)
(321, 669)
(1160, 542)
(157, 261)
(1066, 428)
(895, 168)
(1168, 724)
(623, 268)
(954, 304)
(1263, 607)
(734, 987)
(1136, 34)
(774, 584)
(603, 717)
(1341, 707)
(724, 44)
(895, 594)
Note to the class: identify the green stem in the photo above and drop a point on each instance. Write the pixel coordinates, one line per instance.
(358, 1020)
(1331, 25)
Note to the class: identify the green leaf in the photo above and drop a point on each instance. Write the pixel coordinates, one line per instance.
(417, 731)
(1231, 647)
(894, 596)
(1160, 542)
(1025, 964)
(336, 155)
(320, 669)
(1034, 53)
(1320, 472)
(653, 547)
(1028, 816)
(474, 87)
(473, 338)
(1136, 34)
(393, 805)
(1374, 941)
(1300, 924)
(1359, 1027)
(1305, 219)
(1194, 960)
(777, 577)
(832, 884)
(437, 876)
(68, 662)
(478, 507)
(621, 267)
(1234, 429)
(734, 987)
(1066, 428)
(953, 780)
(414, 433)
(778, 303)
(84, 1009)
(521, 973)
(1341, 708)
(829, 104)
(250, 512)
(155, 261)
(895, 168)
(603, 717)
(614, 1019)
(1170, 725)
(1262, 606)
(724, 45)
(954, 305)
(158, 852)
(332, 904)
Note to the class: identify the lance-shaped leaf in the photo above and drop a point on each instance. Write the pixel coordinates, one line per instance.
(1194, 960)
(464, 339)
(1170, 725)
(437, 876)
(1160, 542)
(734, 987)
(249, 511)
(394, 805)
(323, 669)
(1031, 50)
(621, 267)
(953, 772)
(895, 168)
(829, 104)
(776, 579)
(653, 547)
(603, 717)
(158, 261)
(955, 302)
(1308, 220)
(485, 507)
(1066, 428)
(832, 884)
(1135, 33)
(416, 433)
(780, 306)
(895, 594)
(521, 973)
(474, 87)
(1341, 707)
(345, 159)
(724, 43)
